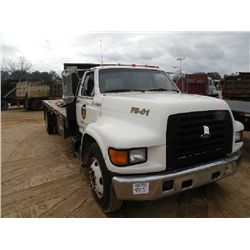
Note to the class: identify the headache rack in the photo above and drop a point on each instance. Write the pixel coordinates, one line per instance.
(185, 145)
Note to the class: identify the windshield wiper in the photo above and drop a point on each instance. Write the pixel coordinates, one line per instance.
(122, 90)
(157, 89)
(140, 90)
(162, 89)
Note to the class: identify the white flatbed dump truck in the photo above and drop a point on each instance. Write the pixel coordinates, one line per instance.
(139, 136)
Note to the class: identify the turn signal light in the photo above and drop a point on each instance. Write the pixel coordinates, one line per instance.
(118, 157)
(126, 157)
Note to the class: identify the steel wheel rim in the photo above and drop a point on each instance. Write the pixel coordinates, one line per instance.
(96, 178)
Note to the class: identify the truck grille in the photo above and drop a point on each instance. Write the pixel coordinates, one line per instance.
(185, 145)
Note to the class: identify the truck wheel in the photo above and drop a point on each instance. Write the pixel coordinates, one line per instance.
(49, 123)
(37, 105)
(4, 105)
(26, 105)
(100, 181)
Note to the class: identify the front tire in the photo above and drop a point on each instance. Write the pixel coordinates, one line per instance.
(101, 182)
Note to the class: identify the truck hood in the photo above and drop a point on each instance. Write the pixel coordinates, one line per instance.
(140, 119)
(161, 104)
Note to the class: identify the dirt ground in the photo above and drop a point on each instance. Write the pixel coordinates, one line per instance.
(41, 178)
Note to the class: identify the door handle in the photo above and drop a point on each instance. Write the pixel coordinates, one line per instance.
(83, 111)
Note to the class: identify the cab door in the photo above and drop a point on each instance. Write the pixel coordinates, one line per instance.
(85, 110)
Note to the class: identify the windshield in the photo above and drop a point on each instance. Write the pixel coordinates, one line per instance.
(123, 80)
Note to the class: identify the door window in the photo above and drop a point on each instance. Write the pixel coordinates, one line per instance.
(88, 85)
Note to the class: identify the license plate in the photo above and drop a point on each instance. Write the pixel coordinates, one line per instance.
(141, 188)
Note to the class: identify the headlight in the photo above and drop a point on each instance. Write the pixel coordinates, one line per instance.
(238, 136)
(126, 157)
(137, 155)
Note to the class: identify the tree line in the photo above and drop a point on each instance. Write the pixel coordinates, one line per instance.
(21, 70)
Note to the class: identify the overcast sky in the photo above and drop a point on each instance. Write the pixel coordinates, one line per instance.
(224, 52)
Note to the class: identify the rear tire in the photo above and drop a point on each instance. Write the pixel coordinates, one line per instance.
(101, 182)
(37, 105)
(26, 104)
(4, 105)
(49, 123)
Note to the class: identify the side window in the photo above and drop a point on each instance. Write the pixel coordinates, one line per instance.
(88, 85)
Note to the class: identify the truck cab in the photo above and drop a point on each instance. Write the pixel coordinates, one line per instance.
(212, 91)
(197, 83)
(140, 137)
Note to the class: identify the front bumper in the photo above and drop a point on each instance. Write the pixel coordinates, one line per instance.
(152, 187)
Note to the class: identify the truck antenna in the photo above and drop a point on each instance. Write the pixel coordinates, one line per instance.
(101, 51)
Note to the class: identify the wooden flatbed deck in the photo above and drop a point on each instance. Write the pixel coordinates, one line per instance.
(239, 106)
(54, 105)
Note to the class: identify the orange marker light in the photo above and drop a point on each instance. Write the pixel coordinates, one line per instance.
(118, 157)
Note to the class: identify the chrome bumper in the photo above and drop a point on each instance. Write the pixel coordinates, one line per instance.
(155, 186)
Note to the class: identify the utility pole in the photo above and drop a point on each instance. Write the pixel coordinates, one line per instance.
(181, 59)
(101, 51)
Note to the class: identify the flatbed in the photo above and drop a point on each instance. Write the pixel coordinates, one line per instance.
(56, 106)
(239, 106)
(241, 111)
(57, 121)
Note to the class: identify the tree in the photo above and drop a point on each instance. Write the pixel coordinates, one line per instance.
(12, 72)
(46, 77)
(22, 64)
(4, 76)
(19, 69)
(54, 76)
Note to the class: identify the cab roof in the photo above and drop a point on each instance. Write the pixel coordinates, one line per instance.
(127, 66)
(86, 66)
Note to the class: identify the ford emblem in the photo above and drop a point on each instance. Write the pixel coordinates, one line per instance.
(206, 133)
